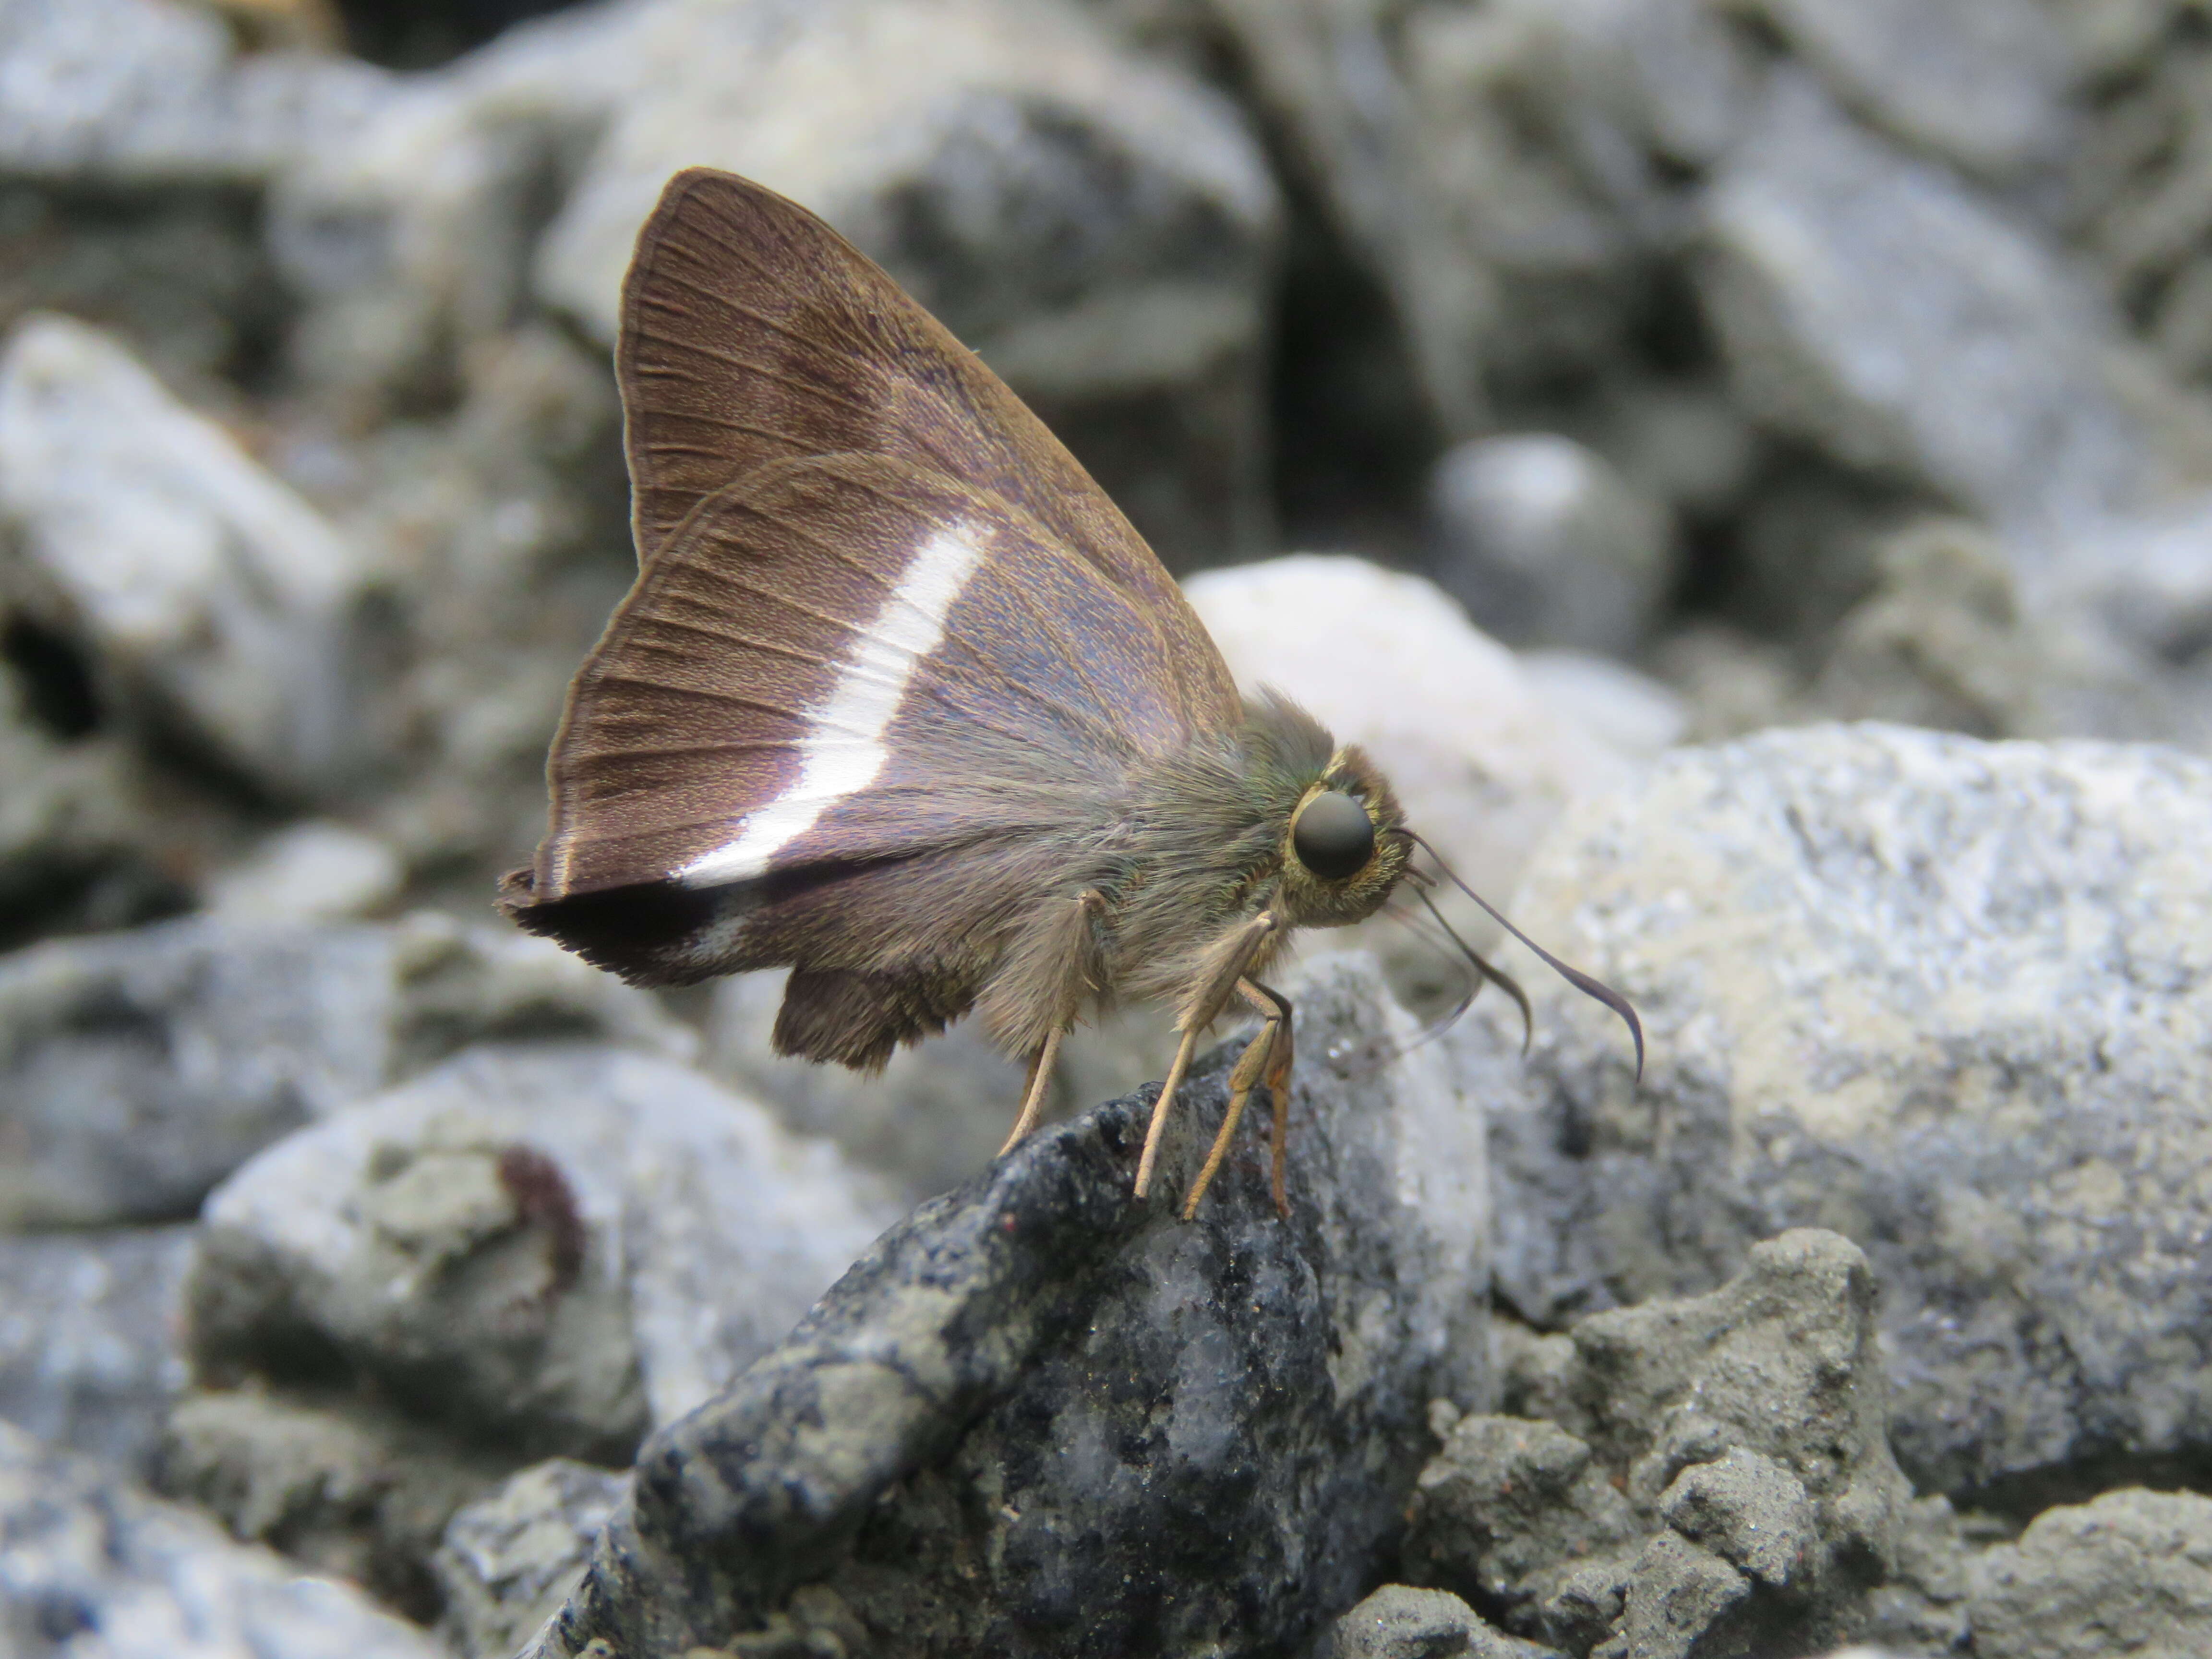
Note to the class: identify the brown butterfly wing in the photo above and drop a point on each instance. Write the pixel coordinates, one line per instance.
(774, 756)
(753, 334)
(717, 686)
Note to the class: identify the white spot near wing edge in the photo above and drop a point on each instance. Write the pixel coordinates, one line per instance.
(843, 751)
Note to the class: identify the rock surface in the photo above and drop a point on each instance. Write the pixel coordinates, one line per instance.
(1000, 1430)
(936, 1114)
(1400, 1622)
(1944, 997)
(141, 1067)
(508, 1562)
(1546, 543)
(1717, 1479)
(95, 1567)
(211, 594)
(92, 1339)
(558, 1246)
(2129, 1573)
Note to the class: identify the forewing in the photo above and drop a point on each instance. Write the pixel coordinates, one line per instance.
(753, 334)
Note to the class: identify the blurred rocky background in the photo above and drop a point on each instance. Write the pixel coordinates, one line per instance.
(1745, 466)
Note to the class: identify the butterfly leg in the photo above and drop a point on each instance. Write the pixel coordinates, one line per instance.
(1226, 967)
(1258, 1054)
(1033, 1090)
(1278, 1008)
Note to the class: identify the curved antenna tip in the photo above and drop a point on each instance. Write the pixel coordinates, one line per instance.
(1591, 987)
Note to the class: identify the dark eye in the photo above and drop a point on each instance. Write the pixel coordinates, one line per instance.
(1332, 837)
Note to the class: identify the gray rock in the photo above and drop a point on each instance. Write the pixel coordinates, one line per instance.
(1934, 993)
(2131, 1573)
(212, 597)
(347, 1485)
(1748, 1510)
(91, 1339)
(1980, 83)
(1508, 171)
(139, 1068)
(134, 92)
(461, 983)
(1722, 1476)
(75, 842)
(1099, 228)
(93, 1566)
(1039, 1418)
(509, 1560)
(315, 871)
(1547, 544)
(556, 1246)
(1868, 303)
(1400, 1622)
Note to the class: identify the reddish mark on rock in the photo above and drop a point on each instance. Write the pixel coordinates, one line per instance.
(543, 1198)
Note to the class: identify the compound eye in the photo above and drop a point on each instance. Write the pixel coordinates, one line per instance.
(1333, 835)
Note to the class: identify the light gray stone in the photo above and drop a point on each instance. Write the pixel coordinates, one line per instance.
(1546, 543)
(1750, 1510)
(96, 1567)
(75, 842)
(509, 1560)
(141, 1067)
(92, 1341)
(1868, 303)
(1510, 1508)
(309, 871)
(559, 1244)
(206, 590)
(1508, 171)
(1035, 1404)
(1400, 1622)
(1943, 996)
(1720, 1480)
(341, 1483)
(1980, 83)
(2131, 1573)
(135, 92)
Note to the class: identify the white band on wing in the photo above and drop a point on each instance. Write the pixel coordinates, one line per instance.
(843, 751)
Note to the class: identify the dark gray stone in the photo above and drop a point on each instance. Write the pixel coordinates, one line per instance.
(1939, 995)
(91, 1343)
(1038, 1418)
(1401, 1622)
(93, 1566)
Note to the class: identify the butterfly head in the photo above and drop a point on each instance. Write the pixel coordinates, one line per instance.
(1342, 851)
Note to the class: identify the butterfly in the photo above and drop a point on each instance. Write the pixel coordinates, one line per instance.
(902, 703)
